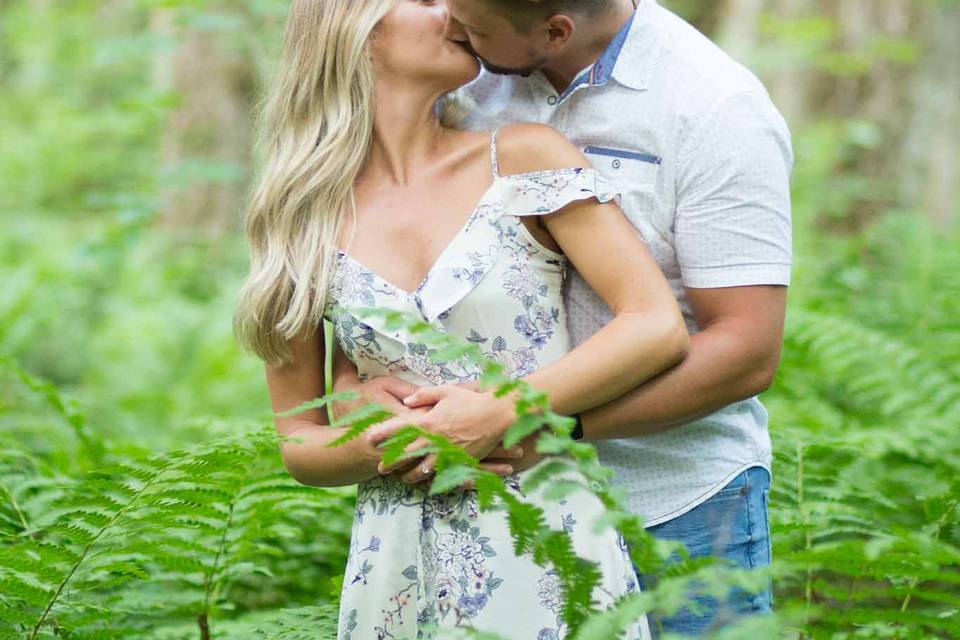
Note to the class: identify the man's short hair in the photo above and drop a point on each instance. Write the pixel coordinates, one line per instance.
(523, 13)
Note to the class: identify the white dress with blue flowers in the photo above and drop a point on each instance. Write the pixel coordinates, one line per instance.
(417, 562)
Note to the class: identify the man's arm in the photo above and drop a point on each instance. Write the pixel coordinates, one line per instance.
(733, 357)
(732, 236)
(385, 390)
(389, 392)
(733, 242)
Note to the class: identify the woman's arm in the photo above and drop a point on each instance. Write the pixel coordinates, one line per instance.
(647, 334)
(312, 462)
(646, 337)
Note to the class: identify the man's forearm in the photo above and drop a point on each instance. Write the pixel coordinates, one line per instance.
(718, 370)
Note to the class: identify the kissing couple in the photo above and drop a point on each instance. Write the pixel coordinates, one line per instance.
(594, 194)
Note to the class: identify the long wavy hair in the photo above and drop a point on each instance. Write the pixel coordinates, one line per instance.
(314, 128)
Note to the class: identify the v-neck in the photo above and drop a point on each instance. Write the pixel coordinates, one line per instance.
(497, 179)
(433, 267)
(475, 248)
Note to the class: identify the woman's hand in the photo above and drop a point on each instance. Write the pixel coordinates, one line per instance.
(457, 414)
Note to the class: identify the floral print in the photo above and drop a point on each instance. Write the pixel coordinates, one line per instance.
(420, 564)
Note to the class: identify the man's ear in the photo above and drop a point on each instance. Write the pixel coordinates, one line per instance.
(560, 29)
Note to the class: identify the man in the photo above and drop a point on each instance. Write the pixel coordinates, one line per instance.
(703, 159)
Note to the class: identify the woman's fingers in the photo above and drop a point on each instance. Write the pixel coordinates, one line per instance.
(419, 443)
(502, 470)
(422, 472)
(500, 454)
(425, 471)
(384, 430)
(398, 388)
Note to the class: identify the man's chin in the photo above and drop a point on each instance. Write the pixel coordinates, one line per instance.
(507, 71)
(497, 71)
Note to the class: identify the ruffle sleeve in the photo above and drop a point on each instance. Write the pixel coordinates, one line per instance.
(542, 192)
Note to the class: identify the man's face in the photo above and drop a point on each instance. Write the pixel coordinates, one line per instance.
(493, 39)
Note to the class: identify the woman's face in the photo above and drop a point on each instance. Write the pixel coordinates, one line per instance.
(411, 45)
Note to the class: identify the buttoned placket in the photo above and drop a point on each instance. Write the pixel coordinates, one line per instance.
(547, 97)
(553, 100)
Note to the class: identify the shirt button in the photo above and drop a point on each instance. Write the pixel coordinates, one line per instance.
(552, 100)
(616, 164)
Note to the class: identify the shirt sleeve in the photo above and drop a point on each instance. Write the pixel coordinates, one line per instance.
(733, 224)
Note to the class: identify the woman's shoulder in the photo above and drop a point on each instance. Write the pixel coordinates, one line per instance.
(527, 146)
(543, 171)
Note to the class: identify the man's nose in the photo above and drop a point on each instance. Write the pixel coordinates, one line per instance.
(454, 30)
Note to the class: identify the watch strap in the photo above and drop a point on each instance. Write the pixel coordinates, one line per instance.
(577, 432)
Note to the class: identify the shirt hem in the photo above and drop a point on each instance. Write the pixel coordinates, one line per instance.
(709, 493)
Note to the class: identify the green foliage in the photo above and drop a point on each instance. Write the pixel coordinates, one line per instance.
(866, 525)
(141, 495)
(527, 521)
(197, 531)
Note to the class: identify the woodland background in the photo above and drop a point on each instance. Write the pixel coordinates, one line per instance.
(125, 156)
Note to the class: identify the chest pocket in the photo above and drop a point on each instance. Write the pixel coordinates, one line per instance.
(626, 167)
(635, 174)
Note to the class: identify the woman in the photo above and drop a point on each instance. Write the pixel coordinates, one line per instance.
(366, 199)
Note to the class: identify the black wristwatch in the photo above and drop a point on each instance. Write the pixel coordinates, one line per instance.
(577, 433)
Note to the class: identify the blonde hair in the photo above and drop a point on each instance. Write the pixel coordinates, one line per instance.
(315, 128)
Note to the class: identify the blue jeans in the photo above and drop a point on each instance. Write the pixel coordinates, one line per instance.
(731, 524)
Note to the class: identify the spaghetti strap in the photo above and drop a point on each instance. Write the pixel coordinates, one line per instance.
(494, 160)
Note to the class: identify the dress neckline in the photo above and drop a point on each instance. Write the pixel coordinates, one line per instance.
(497, 180)
(440, 258)
(495, 169)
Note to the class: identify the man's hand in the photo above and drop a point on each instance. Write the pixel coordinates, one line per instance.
(473, 420)
(384, 390)
(501, 461)
(524, 457)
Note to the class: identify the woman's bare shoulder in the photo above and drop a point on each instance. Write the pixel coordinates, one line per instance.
(528, 146)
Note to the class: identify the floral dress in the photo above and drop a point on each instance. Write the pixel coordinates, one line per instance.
(422, 565)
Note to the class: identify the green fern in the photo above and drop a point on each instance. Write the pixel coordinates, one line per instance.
(866, 491)
(192, 524)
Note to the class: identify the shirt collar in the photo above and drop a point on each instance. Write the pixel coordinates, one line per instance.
(635, 57)
(627, 59)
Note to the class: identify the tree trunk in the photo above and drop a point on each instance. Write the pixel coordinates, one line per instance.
(931, 156)
(869, 74)
(205, 148)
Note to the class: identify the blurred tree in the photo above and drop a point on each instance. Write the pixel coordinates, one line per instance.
(205, 147)
(932, 139)
(891, 67)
